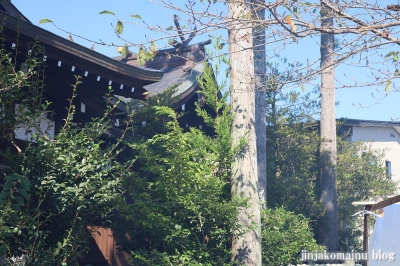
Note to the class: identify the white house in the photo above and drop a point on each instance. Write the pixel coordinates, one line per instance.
(380, 135)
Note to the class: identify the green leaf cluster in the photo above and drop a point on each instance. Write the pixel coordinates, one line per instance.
(361, 177)
(181, 210)
(284, 235)
(147, 122)
(145, 54)
(293, 164)
(52, 189)
(292, 142)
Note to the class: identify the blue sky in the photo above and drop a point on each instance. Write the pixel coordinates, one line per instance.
(82, 18)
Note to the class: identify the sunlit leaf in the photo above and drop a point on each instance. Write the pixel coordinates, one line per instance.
(388, 85)
(136, 16)
(303, 89)
(395, 56)
(120, 27)
(290, 22)
(45, 20)
(124, 51)
(153, 47)
(171, 41)
(141, 56)
(107, 12)
(390, 54)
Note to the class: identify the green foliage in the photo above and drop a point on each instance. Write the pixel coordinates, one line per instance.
(178, 208)
(22, 83)
(146, 122)
(124, 51)
(393, 55)
(107, 12)
(72, 183)
(136, 16)
(292, 141)
(293, 169)
(361, 177)
(45, 20)
(181, 211)
(388, 85)
(119, 27)
(52, 188)
(145, 54)
(12, 198)
(284, 235)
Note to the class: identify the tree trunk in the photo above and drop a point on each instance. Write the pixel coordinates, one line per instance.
(261, 100)
(246, 247)
(328, 223)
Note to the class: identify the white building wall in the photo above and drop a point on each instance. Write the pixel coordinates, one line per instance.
(381, 138)
(25, 132)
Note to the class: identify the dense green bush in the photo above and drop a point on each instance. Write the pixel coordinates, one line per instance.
(284, 235)
(51, 189)
(181, 211)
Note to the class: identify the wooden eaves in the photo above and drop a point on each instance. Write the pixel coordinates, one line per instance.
(121, 76)
(9, 8)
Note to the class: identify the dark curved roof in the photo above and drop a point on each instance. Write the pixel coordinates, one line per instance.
(182, 66)
(17, 27)
(7, 7)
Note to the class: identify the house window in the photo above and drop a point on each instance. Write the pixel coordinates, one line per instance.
(388, 165)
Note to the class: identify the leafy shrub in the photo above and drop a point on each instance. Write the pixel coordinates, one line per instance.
(284, 235)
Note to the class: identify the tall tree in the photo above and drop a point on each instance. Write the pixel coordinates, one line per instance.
(246, 245)
(328, 222)
(260, 100)
(363, 26)
(293, 145)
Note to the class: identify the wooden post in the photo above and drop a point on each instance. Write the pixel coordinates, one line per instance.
(366, 233)
(373, 206)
